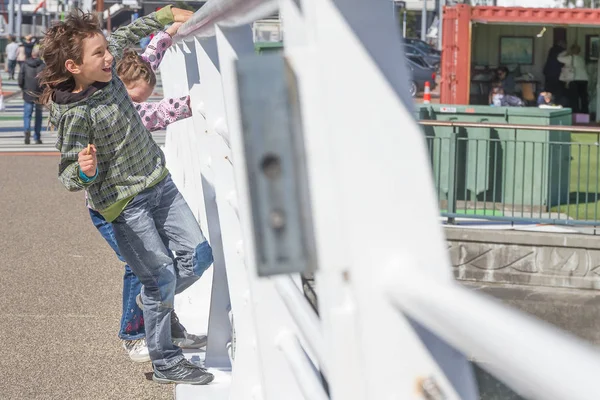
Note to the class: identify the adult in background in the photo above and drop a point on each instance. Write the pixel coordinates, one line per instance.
(574, 75)
(11, 56)
(21, 56)
(30, 85)
(507, 81)
(552, 70)
(28, 43)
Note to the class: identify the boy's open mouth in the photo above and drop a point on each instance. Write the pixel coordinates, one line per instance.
(106, 69)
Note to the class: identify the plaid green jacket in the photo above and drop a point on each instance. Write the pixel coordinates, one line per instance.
(129, 160)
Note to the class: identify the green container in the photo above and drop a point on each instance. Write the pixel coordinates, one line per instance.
(523, 168)
(268, 47)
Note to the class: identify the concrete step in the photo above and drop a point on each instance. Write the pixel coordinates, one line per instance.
(574, 310)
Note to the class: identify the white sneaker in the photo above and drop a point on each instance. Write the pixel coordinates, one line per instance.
(137, 350)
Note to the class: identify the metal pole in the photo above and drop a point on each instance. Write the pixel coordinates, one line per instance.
(441, 24)
(11, 17)
(424, 21)
(19, 18)
(44, 16)
(109, 22)
(404, 24)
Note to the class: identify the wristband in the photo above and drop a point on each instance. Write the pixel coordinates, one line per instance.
(87, 179)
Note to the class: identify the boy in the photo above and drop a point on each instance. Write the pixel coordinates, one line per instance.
(30, 85)
(106, 150)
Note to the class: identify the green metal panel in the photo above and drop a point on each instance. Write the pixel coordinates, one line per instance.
(472, 148)
(542, 159)
(266, 47)
(514, 167)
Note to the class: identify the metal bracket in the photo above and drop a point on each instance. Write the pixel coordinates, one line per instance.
(275, 163)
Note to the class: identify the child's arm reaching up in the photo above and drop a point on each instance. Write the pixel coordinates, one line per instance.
(142, 27)
(159, 115)
(159, 44)
(156, 49)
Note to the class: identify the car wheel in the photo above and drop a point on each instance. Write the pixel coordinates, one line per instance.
(413, 88)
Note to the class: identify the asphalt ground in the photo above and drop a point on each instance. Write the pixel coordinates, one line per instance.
(60, 294)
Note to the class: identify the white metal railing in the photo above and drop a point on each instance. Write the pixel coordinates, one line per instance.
(534, 358)
(339, 104)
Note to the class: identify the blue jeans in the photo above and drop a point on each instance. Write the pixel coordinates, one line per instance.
(27, 113)
(132, 319)
(161, 240)
(12, 64)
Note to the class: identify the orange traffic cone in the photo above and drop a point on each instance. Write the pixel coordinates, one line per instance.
(427, 94)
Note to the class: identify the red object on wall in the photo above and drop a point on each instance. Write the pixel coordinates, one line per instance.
(455, 84)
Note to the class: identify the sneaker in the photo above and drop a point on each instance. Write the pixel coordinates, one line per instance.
(38, 141)
(27, 137)
(183, 372)
(181, 338)
(137, 350)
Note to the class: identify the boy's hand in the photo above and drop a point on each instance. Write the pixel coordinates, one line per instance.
(172, 30)
(180, 15)
(87, 161)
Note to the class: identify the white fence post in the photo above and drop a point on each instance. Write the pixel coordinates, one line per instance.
(361, 140)
(341, 88)
(268, 309)
(210, 99)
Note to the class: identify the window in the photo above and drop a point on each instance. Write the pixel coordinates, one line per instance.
(418, 60)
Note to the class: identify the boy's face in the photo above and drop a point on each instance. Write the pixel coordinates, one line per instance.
(139, 91)
(96, 61)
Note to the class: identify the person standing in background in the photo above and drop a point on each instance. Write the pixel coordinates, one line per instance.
(11, 56)
(577, 82)
(30, 85)
(21, 56)
(28, 43)
(552, 70)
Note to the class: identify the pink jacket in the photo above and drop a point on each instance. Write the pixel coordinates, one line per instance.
(158, 115)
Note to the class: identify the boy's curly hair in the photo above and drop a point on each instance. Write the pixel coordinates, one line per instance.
(133, 68)
(63, 42)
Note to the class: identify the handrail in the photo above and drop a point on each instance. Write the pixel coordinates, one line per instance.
(555, 128)
(304, 315)
(228, 13)
(538, 360)
(304, 371)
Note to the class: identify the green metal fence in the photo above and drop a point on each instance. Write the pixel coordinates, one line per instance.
(517, 173)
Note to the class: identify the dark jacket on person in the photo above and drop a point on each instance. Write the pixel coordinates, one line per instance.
(28, 79)
(29, 47)
(553, 67)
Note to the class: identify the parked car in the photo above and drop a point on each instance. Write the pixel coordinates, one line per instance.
(433, 59)
(421, 72)
(424, 46)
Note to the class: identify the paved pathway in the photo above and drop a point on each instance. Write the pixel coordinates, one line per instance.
(60, 286)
